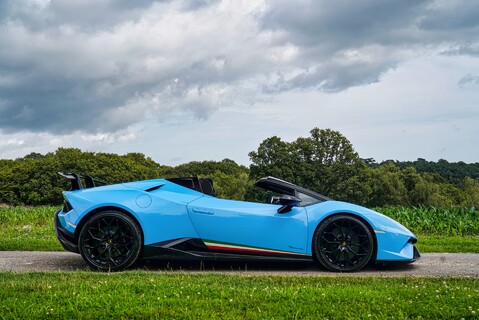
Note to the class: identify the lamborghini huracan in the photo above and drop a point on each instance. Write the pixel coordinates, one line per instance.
(114, 226)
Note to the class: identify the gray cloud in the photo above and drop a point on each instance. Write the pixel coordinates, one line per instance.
(459, 15)
(101, 75)
(85, 14)
(103, 66)
(349, 43)
(464, 49)
(331, 26)
(468, 79)
(343, 44)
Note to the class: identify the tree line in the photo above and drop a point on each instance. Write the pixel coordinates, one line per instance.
(325, 162)
(453, 172)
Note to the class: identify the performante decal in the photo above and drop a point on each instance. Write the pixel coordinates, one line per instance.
(217, 245)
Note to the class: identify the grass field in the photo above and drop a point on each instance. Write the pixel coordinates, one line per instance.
(439, 230)
(145, 295)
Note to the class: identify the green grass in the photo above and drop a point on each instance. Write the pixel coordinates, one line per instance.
(439, 230)
(146, 295)
(28, 228)
(456, 244)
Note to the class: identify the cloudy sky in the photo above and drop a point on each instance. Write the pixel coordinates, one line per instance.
(207, 80)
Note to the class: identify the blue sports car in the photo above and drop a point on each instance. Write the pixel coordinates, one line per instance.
(114, 226)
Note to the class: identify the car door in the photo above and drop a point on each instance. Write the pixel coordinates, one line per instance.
(248, 227)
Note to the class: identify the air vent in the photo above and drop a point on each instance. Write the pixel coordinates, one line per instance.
(67, 206)
(154, 188)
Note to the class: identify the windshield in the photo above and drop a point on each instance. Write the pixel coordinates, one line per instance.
(277, 186)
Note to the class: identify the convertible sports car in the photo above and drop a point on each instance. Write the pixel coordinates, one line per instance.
(113, 226)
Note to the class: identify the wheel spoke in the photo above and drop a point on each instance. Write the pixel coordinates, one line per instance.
(351, 253)
(93, 237)
(107, 222)
(329, 241)
(332, 234)
(99, 227)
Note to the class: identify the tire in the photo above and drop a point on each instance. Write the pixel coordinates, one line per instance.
(343, 243)
(110, 241)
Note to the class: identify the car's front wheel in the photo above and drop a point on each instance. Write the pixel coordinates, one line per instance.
(343, 243)
(110, 241)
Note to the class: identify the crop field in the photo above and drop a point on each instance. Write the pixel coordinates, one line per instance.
(436, 221)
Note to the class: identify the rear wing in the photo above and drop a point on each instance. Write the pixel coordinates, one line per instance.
(76, 181)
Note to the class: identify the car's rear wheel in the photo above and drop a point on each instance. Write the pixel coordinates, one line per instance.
(110, 241)
(343, 243)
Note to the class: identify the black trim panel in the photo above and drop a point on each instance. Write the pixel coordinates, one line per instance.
(75, 180)
(416, 255)
(195, 249)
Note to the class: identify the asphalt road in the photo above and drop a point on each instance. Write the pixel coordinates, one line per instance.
(430, 265)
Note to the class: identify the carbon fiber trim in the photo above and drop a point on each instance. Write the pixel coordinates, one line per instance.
(191, 248)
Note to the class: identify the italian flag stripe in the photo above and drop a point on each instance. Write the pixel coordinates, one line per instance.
(216, 245)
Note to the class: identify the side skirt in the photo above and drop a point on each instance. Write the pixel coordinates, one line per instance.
(196, 249)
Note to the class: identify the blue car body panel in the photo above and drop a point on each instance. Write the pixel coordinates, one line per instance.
(250, 224)
(169, 214)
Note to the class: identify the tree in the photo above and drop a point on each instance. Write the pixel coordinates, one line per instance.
(388, 186)
(471, 193)
(331, 147)
(274, 157)
(322, 162)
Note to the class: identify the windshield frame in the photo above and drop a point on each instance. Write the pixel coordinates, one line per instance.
(284, 187)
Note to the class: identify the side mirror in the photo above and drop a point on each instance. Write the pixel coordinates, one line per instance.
(287, 202)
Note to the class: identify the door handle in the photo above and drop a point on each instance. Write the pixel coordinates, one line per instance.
(202, 211)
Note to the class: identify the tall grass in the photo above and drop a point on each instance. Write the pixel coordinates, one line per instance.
(436, 221)
(28, 228)
(27, 215)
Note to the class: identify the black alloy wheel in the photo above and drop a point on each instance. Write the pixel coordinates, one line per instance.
(343, 243)
(110, 241)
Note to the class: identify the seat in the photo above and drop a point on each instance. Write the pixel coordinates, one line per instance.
(271, 199)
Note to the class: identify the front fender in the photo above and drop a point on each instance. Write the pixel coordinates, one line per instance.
(393, 240)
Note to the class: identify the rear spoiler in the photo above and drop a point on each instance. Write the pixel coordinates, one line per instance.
(76, 181)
